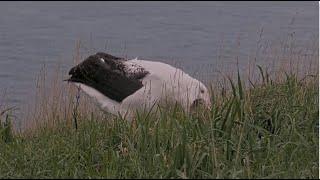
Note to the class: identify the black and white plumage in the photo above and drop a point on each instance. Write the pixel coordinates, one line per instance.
(123, 86)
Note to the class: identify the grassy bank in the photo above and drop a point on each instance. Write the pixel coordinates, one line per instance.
(267, 130)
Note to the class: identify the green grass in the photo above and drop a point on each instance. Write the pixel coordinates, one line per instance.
(269, 130)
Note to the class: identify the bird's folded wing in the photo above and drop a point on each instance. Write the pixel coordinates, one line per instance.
(117, 86)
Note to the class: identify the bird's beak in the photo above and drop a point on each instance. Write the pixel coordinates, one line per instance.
(71, 72)
(70, 79)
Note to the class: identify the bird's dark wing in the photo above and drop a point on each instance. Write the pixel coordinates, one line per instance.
(111, 77)
(115, 85)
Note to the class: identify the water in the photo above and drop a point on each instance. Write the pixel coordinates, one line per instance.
(196, 36)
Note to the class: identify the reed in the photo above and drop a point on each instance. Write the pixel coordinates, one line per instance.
(262, 124)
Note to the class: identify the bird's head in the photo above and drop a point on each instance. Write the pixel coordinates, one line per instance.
(203, 98)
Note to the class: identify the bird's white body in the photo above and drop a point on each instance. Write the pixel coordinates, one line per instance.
(163, 82)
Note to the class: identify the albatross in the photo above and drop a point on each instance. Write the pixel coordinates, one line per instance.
(122, 86)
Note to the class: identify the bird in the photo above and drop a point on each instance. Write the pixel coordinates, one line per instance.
(121, 86)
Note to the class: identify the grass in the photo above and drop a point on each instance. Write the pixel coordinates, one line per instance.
(267, 130)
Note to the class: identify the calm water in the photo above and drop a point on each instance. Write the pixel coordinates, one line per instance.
(197, 36)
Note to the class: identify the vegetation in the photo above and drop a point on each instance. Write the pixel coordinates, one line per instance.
(268, 129)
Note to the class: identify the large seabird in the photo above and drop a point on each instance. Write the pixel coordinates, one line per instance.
(123, 86)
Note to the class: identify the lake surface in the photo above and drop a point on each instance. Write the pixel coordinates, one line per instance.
(199, 37)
